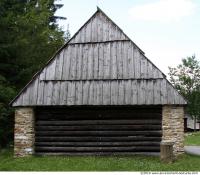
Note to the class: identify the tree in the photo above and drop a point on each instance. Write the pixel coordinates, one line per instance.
(29, 35)
(186, 79)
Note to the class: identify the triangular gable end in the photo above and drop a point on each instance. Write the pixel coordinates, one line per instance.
(45, 87)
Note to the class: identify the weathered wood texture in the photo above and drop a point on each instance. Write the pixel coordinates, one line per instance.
(115, 92)
(110, 60)
(99, 29)
(100, 65)
(97, 130)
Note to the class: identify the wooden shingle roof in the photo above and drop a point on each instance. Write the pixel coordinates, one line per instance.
(99, 65)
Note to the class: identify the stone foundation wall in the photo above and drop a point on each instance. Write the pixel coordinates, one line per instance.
(173, 127)
(24, 132)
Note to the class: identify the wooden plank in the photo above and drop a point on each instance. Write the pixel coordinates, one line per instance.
(63, 93)
(50, 70)
(82, 35)
(143, 67)
(72, 149)
(98, 133)
(88, 32)
(48, 89)
(100, 122)
(128, 92)
(104, 22)
(113, 60)
(59, 66)
(141, 92)
(85, 62)
(130, 61)
(40, 93)
(155, 72)
(56, 93)
(99, 97)
(101, 62)
(33, 90)
(91, 93)
(96, 138)
(71, 93)
(110, 36)
(114, 92)
(79, 93)
(163, 91)
(100, 28)
(125, 60)
(25, 97)
(72, 73)
(95, 102)
(106, 93)
(66, 63)
(149, 70)
(142, 143)
(85, 92)
(96, 60)
(121, 95)
(94, 29)
(137, 63)
(95, 116)
(134, 92)
(99, 127)
(119, 60)
(149, 94)
(90, 64)
(155, 153)
(79, 61)
(156, 92)
(106, 61)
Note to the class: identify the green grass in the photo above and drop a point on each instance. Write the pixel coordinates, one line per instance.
(192, 139)
(92, 163)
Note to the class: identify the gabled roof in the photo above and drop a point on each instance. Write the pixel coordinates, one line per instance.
(99, 65)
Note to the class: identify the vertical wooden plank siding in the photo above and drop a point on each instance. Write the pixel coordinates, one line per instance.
(66, 63)
(100, 65)
(59, 66)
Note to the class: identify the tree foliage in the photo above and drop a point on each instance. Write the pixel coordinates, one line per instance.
(29, 35)
(186, 79)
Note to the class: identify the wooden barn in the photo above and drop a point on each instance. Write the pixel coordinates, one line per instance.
(98, 95)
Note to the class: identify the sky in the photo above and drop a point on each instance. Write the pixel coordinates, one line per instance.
(166, 30)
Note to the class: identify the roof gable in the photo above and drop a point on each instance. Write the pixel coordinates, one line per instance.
(99, 65)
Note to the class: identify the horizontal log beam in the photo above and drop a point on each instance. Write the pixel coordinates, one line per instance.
(93, 149)
(97, 122)
(98, 133)
(95, 153)
(71, 116)
(96, 138)
(136, 143)
(98, 127)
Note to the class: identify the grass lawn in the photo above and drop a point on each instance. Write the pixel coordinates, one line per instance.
(193, 139)
(92, 163)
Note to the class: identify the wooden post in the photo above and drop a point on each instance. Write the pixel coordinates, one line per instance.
(166, 152)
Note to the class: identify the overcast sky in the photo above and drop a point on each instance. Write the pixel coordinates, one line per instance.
(166, 30)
